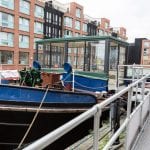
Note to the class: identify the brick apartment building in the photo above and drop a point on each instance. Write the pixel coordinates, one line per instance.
(21, 23)
(139, 52)
(24, 22)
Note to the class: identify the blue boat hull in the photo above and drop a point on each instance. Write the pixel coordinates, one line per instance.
(30, 95)
(86, 83)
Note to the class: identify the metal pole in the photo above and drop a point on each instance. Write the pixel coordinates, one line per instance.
(50, 55)
(115, 114)
(44, 54)
(73, 80)
(37, 51)
(96, 129)
(117, 83)
(84, 68)
(129, 103)
(143, 89)
(107, 52)
(66, 52)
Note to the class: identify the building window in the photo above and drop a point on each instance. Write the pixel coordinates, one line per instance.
(106, 25)
(69, 59)
(77, 34)
(6, 39)
(23, 41)
(81, 51)
(100, 32)
(55, 19)
(23, 24)
(7, 4)
(67, 33)
(39, 12)
(69, 50)
(40, 47)
(147, 44)
(6, 20)
(59, 21)
(59, 33)
(146, 52)
(75, 60)
(6, 57)
(24, 7)
(68, 22)
(77, 25)
(78, 13)
(23, 58)
(49, 17)
(84, 27)
(38, 27)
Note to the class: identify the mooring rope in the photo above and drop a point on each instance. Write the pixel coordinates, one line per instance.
(33, 120)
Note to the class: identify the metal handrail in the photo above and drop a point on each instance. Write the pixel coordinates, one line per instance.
(94, 111)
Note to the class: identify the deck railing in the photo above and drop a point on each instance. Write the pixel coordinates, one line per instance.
(133, 122)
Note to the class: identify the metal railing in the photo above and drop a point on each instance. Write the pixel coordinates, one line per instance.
(96, 112)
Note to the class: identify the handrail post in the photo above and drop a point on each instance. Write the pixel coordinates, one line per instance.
(143, 89)
(149, 106)
(129, 103)
(73, 76)
(96, 128)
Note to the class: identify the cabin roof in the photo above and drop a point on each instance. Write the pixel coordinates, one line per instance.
(82, 39)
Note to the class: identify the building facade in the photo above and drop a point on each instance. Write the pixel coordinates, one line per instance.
(53, 20)
(74, 22)
(139, 52)
(145, 52)
(21, 24)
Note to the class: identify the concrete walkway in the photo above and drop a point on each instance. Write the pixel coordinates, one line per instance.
(144, 141)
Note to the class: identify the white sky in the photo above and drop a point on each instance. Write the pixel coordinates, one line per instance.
(134, 15)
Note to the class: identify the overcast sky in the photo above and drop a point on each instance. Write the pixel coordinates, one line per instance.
(134, 15)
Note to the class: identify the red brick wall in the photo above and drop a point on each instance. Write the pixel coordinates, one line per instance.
(16, 32)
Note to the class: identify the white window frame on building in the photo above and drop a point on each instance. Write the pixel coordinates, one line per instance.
(146, 52)
(77, 25)
(23, 58)
(106, 25)
(6, 39)
(39, 11)
(23, 41)
(6, 20)
(9, 4)
(24, 7)
(146, 44)
(78, 12)
(67, 33)
(38, 27)
(24, 24)
(68, 22)
(84, 27)
(59, 21)
(6, 57)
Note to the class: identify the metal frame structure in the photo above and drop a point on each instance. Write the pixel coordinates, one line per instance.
(138, 115)
(85, 40)
(97, 54)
